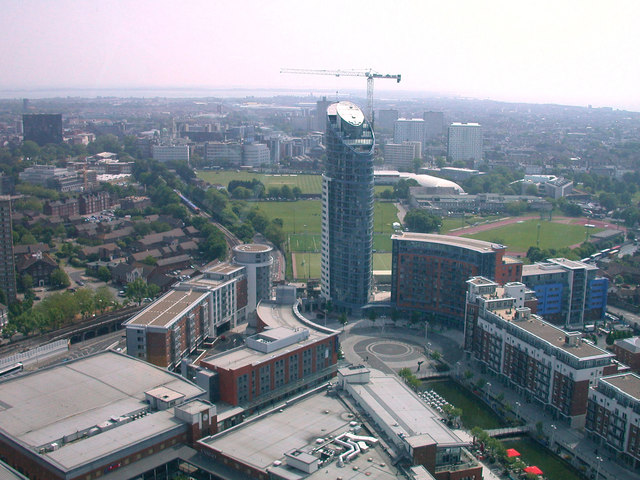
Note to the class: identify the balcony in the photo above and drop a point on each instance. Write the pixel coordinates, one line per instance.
(467, 461)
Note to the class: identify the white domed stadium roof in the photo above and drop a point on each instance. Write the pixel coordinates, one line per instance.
(423, 180)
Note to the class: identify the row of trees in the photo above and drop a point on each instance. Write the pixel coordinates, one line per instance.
(536, 254)
(57, 310)
(419, 220)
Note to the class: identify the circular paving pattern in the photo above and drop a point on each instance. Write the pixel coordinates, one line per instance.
(388, 349)
(391, 350)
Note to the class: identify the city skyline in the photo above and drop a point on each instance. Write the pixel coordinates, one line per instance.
(568, 53)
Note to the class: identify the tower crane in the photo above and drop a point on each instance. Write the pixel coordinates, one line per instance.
(370, 74)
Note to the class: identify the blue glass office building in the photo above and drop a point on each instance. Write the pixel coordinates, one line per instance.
(347, 207)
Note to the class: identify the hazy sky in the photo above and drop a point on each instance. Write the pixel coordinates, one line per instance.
(573, 52)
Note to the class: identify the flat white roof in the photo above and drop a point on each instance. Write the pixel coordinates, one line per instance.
(47, 405)
(403, 411)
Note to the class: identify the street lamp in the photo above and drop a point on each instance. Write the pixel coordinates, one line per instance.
(553, 434)
(518, 405)
(598, 467)
(488, 390)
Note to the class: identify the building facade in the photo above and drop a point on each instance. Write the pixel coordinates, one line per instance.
(223, 154)
(402, 156)
(627, 351)
(92, 203)
(173, 326)
(257, 260)
(167, 153)
(613, 416)
(429, 272)
(7, 261)
(409, 130)
(433, 124)
(42, 128)
(545, 364)
(255, 154)
(465, 142)
(347, 207)
(569, 293)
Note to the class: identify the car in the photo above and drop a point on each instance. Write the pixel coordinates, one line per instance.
(121, 293)
(80, 283)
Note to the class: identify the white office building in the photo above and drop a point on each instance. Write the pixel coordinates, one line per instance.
(465, 142)
(401, 156)
(255, 154)
(168, 153)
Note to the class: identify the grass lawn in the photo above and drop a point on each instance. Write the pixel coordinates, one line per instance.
(385, 214)
(311, 242)
(295, 215)
(474, 412)
(310, 263)
(307, 263)
(306, 183)
(535, 454)
(381, 261)
(521, 236)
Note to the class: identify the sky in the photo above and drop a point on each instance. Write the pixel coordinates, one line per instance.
(563, 51)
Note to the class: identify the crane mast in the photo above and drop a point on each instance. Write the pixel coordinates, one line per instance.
(370, 74)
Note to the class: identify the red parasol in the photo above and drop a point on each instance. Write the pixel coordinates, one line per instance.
(535, 470)
(512, 452)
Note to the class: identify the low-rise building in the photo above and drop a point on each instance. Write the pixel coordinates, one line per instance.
(38, 265)
(92, 203)
(547, 365)
(628, 352)
(287, 354)
(99, 415)
(322, 435)
(62, 208)
(135, 203)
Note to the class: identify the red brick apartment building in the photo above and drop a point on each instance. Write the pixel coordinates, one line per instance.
(429, 272)
(284, 357)
(173, 326)
(628, 352)
(613, 416)
(542, 362)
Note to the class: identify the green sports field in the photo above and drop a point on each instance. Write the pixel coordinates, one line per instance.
(308, 184)
(301, 242)
(520, 236)
(309, 263)
(295, 215)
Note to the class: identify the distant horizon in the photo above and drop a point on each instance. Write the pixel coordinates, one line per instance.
(196, 92)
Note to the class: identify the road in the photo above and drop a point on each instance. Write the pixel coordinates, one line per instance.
(628, 317)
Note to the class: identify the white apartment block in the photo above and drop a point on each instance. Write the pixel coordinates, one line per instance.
(465, 142)
(401, 156)
(168, 153)
(409, 130)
